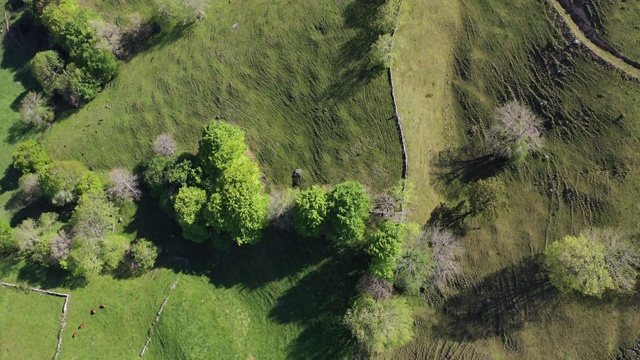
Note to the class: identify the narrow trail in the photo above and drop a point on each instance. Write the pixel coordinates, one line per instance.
(604, 55)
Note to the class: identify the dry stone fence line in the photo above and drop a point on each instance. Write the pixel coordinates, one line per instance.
(155, 321)
(63, 319)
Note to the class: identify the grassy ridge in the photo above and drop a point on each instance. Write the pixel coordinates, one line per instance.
(291, 76)
(33, 336)
(618, 22)
(585, 176)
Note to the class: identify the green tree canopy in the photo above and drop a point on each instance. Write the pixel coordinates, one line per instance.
(239, 206)
(576, 263)
(380, 326)
(348, 211)
(144, 254)
(486, 197)
(61, 176)
(7, 241)
(222, 144)
(310, 211)
(29, 157)
(93, 218)
(155, 174)
(46, 67)
(385, 249)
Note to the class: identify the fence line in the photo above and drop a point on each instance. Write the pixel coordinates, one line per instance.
(155, 321)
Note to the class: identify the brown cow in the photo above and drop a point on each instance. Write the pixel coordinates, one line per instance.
(81, 325)
(75, 333)
(103, 306)
(93, 311)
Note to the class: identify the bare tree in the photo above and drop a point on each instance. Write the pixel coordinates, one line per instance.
(34, 110)
(621, 256)
(165, 145)
(516, 132)
(60, 244)
(375, 287)
(110, 37)
(30, 186)
(125, 184)
(446, 253)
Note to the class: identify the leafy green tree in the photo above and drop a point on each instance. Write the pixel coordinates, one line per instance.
(189, 204)
(349, 207)
(385, 249)
(310, 211)
(46, 67)
(112, 251)
(380, 326)
(61, 176)
(7, 240)
(155, 174)
(486, 197)
(84, 258)
(89, 183)
(35, 111)
(29, 157)
(184, 173)
(93, 218)
(222, 145)
(144, 254)
(578, 264)
(415, 266)
(32, 238)
(239, 206)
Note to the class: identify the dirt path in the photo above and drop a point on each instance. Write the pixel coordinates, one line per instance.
(596, 50)
(424, 43)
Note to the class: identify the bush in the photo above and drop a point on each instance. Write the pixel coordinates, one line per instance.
(46, 67)
(385, 248)
(61, 178)
(349, 207)
(112, 251)
(386, 17)
(29, 157)
(155, 174)
(34, 110)
(310, 211)
(172, 14)
(222, 144)
(32, 238)
(145, 254)
(382, 51)
(415, 266)
(516, 132)
(8, 243)
(89, 183)
(486, 197)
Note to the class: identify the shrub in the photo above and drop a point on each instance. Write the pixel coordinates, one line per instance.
(145, 254)
(382, 51)
(155, 174)
(386, 16)
(89, 183)
(516, 132)
(46, 67)
(486, 197)
(34, 110)
(84, 258)
(310, 211)
(415, 266)
(222, 144)
(7, 240)
(112, 251)
(32, 238)
(29, 157)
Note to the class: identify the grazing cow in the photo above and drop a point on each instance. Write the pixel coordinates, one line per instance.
(103, 306)
(75, 333)
(93, 311)
(81, 325)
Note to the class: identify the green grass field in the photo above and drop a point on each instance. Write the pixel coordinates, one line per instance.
(618, 22)
(29, 324)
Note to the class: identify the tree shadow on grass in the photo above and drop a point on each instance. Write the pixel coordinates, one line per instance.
(22, 42)
(9, 181)
(453, 170)
(500, 304)
(49, 278)
(318, 302)
(32, 210)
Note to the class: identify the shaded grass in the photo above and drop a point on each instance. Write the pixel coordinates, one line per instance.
(33, 336)
(618, 23)
(278, 75)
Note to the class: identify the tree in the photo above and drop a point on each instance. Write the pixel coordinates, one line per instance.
(189, 204)
(184, 172)
(516, 132)
(30, 186)
(46, 67)
(486, 197)
(155, 174)
(446, 254)
(239, 206)
(375, 287)
(29, 157)
(165, 145)
(382, 51)
(7, 240)
(578, 264)
(222, 144)
(84, 258)
(60, 246)
(125, 184)
(144, 254)
(415, 266)
(349, 207)
(310, 211)
(622, 257)
(112, 251)
(385, 247)
(172, 15)
(380, 326)
(93, 217)
(32, 238)
(34, 110)
(61, 178)
(89, 183)
(386, 16)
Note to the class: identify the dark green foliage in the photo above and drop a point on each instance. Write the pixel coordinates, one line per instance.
(46, 67)
(486, 197)
(385, 248)
(155, 174)
(7, 241)
(310, 211)
(349, 207)
(184, 173)
(93, 218)
(29, 157)
(61, 177)
(380, 326)
(145, 254)
(222, 144)
(239, 206)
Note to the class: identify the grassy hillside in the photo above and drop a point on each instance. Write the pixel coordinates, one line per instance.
(33, 336)
(585, 176)
(292, 76)
(618, 22)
